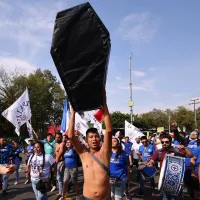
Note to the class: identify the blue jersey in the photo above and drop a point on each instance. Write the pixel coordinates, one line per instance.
(191, 146)
(127, 146)
(146, 152)
(175, 142)
(197, 155)
(70, 157)
(30, 150)
(5, 153)
(118, 168)
(17, 152)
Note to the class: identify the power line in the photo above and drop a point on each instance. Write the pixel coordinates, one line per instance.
(194, 102)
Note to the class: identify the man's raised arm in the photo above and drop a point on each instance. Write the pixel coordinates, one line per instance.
(77, 144)
(107, 145)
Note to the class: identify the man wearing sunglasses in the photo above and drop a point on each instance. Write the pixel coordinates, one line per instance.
(167, 148)
(146, 150)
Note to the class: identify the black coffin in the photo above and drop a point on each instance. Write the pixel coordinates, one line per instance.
(80, 50)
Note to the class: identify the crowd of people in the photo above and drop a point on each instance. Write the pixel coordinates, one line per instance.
(107, 164)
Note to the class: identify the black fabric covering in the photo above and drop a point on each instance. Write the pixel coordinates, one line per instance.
(80, 50)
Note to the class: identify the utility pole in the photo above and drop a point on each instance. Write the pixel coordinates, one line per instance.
(130, 84)
(195, 113)
(169, 123)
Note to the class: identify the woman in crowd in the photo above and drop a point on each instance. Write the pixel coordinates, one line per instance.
(40, 166)
(119, 170)
(16, 161)
(71, 169)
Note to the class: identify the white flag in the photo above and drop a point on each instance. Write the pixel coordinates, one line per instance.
(98, 126)
(132, 132)
(80, 124)
(30, 129)
(19, 112)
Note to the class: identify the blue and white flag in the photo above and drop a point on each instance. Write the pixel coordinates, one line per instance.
(65, 118)
(19, 112)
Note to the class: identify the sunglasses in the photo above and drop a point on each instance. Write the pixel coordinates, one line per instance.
(164, 142)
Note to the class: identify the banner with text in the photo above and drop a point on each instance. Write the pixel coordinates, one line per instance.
(132, 132)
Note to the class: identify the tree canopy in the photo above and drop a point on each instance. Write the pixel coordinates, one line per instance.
(46, 101)
(45, 94)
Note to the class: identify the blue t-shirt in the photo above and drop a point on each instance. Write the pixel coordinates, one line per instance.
(197, 155)
(146, 152)
(175, 142)
(127, 146)
(191, 146)
(118, 168)
(5, 153)
(17, 152)
(70, 157)
(30, 150)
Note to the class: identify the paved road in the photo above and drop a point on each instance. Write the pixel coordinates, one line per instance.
(25, 192)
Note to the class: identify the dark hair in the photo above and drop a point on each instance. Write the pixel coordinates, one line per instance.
(143, 138)
(43, 153)
(49, 134)
(91, 130)
(119, 149)
(59, 133)
(166, 136)
(127, 137)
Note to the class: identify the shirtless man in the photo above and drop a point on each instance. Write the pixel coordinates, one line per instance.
(96, 180)
(59, 152)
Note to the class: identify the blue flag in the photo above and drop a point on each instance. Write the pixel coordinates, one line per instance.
(65, 117)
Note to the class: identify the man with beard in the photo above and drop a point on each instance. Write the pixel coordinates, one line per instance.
(59, 152)
(167, 148)
(96, 159)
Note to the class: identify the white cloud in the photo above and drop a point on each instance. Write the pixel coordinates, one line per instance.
(177, 95)
(30, 27)
(12, 64)
(138, 26)
(136, 88)
(118, 78)
(152, 69)
(138, 73)
(145, 85)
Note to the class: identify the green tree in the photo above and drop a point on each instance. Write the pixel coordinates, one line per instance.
(46, 97)
(184, 117)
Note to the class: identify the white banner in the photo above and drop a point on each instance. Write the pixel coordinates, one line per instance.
(98, 126)
(132, 132)
(80, 124)
(19, 112)
(30, 129)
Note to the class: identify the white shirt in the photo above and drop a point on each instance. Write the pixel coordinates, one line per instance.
(135, 148)
(36, 166)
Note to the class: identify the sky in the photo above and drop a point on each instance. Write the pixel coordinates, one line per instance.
(163, 38)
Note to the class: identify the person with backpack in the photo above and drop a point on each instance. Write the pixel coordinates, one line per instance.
(146, 150)
(49, 145)
(40, 166)
(71, 169)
